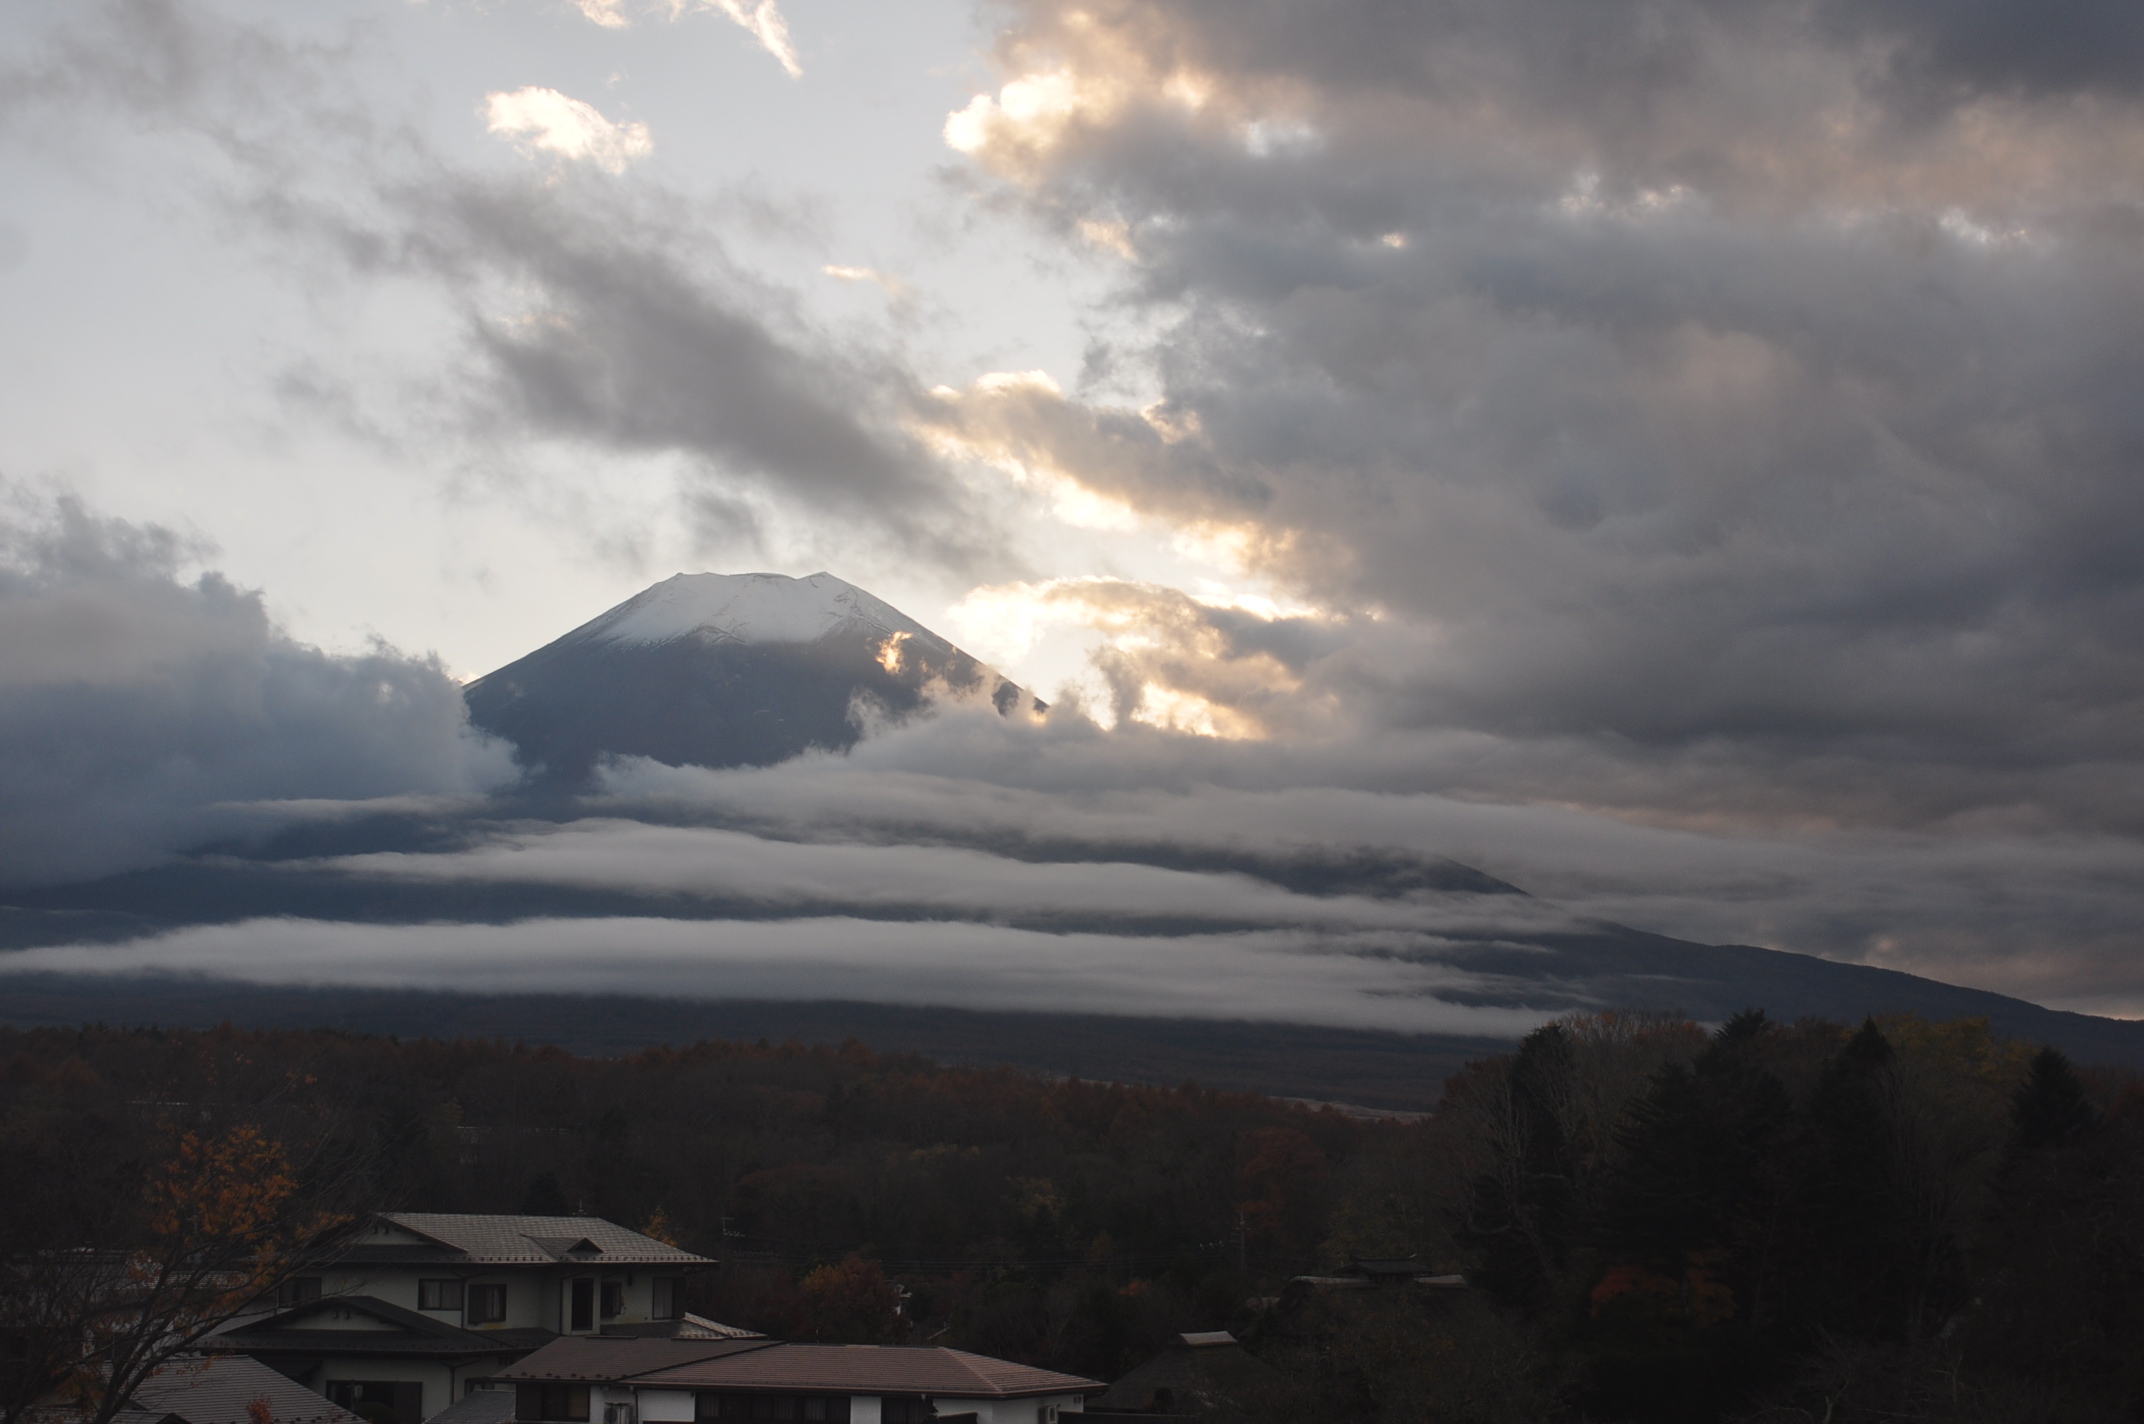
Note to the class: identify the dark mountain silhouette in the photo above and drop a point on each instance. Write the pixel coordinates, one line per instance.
(726, 670)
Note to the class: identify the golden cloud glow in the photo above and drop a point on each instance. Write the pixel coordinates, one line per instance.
(1162, 658)
(995, 444)
(890, 652)
(1031, 116)
(546, 120)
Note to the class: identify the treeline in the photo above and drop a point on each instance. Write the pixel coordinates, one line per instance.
(1771, 1222)
(1061, 1222)
(1896, 1220)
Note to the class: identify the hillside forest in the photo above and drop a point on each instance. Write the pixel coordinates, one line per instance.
(1763, 1222)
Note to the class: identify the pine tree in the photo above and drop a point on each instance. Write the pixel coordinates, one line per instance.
(2051, 1108)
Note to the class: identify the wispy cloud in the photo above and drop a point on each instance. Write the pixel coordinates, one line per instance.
(765, 23)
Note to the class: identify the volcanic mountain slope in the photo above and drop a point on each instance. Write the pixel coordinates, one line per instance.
(725, 670)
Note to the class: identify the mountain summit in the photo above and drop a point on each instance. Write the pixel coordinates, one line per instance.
(725, 670)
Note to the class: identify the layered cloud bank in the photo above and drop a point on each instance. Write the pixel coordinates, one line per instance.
(1679, 459)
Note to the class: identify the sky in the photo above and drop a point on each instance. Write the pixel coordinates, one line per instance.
(1680, 458)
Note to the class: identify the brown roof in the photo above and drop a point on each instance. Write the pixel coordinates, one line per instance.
(867, 1369)
(535, 1240)
(603, 1359)
(221, 1389)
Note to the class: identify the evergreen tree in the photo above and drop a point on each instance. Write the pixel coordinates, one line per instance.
(1517, 1217)
(2051, 1107)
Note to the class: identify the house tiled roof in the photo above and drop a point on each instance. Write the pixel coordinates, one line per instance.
(479, 1406)
(531, 1240)
(867, 1369)
(414, 1333)
(223, 1389)
(596, 1359)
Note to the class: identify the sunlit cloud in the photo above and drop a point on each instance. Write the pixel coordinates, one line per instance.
(1167, 659)
(1072, 500)
(893, 286)
(545, 120)
(608, 13)
(762, 19)
(765, 23)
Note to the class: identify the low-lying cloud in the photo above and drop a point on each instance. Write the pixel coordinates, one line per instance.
(136, 705)
(1271, 976)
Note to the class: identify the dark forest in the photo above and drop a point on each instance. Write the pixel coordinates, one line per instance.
(1895, 1220)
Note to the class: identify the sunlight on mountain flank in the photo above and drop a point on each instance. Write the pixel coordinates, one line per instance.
(889, 652)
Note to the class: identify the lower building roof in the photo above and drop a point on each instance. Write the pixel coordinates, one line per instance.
(868, 1369)
(607, 1359)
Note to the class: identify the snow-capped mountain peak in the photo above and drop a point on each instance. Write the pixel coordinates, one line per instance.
(747, 608)
(727, 670)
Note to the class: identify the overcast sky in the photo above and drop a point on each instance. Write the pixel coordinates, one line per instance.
(1683, 457)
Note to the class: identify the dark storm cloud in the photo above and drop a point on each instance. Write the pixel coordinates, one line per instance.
(644, 337)
(136, 705)
(1724, 431)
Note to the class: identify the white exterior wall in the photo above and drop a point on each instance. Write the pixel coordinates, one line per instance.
(666, 1406)
(1008, 1411)
(675, 1406)
(536, 1295)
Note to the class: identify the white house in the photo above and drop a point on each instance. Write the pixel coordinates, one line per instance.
(622, 1381)
(414, 1309)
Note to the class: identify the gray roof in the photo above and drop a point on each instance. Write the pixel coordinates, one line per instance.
(866, 1369)
(538, 1240)
(289, 1332)
(604, 1359)
(223, 1389)
(780, 1367)
(479, 1406)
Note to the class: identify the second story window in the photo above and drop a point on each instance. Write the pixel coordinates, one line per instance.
(297, 1291)
(551, 1402)
(613, 1299)
(439, 1295)
(581, 1304)
(487, 1304)
(668, 1305)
